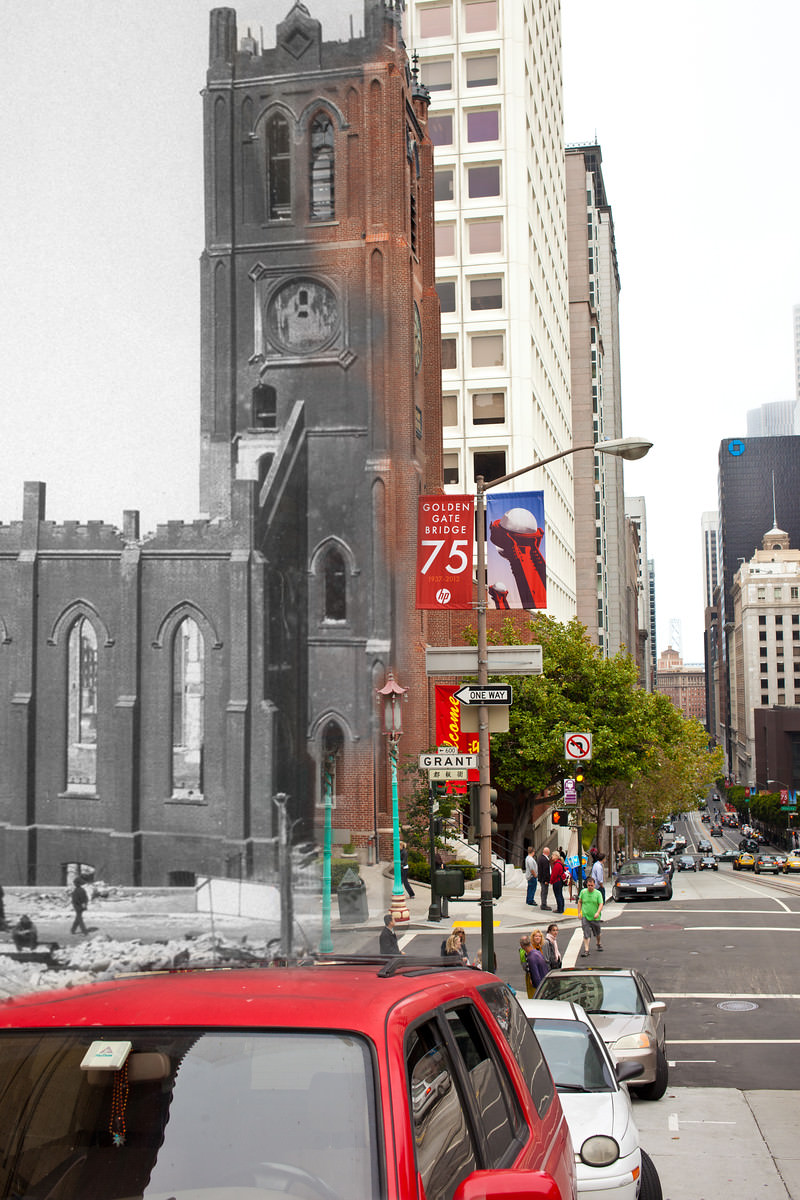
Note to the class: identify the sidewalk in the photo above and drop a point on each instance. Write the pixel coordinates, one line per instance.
(511, 913)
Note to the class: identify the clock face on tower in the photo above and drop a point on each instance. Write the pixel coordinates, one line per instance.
(303, 316)
(417, 340)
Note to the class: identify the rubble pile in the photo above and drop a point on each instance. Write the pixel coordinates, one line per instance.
(101, 957)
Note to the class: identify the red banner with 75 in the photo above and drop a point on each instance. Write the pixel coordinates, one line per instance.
(445, 538)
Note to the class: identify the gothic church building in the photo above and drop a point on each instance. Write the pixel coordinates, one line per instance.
(157, 693)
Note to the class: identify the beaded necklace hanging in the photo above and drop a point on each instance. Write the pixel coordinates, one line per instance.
(119, 1102)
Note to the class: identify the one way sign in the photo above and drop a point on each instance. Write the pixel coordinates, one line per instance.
(500, 694)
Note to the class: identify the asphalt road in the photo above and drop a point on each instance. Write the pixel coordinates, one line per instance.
(724, 954)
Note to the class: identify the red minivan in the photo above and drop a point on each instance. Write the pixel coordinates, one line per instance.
(336, 1080)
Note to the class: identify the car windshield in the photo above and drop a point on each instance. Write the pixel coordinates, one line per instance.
(573, 1056)
(188, 1114)
(595, 993)
(640, 867)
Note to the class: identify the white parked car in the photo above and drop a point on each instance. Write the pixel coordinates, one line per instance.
(609, 1161)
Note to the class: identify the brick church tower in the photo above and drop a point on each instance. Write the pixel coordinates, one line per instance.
(157, 692)
(320, 380)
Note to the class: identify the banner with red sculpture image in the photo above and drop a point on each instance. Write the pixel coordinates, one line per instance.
(515, 550)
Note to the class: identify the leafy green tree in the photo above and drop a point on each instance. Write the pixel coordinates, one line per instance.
(635, 734)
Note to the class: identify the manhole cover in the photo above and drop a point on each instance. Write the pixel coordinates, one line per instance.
(737, 1005)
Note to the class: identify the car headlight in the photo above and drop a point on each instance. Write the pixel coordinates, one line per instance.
(661, 883)
(599, 1151)
(634, 1041)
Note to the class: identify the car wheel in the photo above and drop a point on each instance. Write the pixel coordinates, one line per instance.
(650, 1188)
(656, 1089)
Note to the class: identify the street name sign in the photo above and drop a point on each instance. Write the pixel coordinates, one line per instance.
(438, 773)
(503, 660)
(500, 694)
(448, 761)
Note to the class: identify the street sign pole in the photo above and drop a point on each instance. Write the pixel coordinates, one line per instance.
(485, 819)
(631, 448)
(434, 909)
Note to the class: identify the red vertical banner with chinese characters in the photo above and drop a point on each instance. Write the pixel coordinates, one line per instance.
(445, 538)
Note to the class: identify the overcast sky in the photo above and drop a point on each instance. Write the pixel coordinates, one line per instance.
(694, 105)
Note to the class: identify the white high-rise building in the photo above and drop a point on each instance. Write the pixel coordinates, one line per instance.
(493, 68)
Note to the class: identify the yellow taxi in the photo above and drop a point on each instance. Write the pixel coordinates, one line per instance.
(744, 861)
(792, 862)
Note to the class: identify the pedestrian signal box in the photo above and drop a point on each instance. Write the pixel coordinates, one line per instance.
(560, 816)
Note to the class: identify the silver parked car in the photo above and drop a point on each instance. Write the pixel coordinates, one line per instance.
(609, 1160)
(625, 1013)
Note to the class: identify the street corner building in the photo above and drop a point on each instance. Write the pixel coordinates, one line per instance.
(158, 692)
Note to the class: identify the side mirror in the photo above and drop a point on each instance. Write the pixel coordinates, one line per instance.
(658, 1006)
(628, 1070)
(496, 1185)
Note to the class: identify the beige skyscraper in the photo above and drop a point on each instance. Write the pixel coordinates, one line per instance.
(605, 603)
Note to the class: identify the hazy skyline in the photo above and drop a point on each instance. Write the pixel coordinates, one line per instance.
(102, 198)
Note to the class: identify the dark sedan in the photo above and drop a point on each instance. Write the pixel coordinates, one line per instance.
(686, 863)
(766, 862)
(704, 846)
(642, 879)
(708, 863)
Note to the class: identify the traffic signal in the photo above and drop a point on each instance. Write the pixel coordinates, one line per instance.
(579, 784)
(438, 787)
(474, 811)
(560, 816)
(493, 809)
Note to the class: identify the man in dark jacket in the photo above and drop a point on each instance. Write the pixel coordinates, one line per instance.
(388, 939)
(544, 877)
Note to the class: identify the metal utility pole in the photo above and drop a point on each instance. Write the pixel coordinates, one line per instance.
(285, 875)
(629, 448)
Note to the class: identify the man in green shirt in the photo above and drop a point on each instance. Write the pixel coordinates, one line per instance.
(591, 905)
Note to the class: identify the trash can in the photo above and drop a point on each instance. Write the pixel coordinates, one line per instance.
(352, 896)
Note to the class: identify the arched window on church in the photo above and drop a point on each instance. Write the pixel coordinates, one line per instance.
(335, 587)
(332, 744)
(322, 164)
(264, 407)
(82, 708)
(279, 169)
(188, 708)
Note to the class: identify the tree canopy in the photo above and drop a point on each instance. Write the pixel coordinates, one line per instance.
(647, 758)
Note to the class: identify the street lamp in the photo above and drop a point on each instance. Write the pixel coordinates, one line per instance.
(630, 448)
(393, 696)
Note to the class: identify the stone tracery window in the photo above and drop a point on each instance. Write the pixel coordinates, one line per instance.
(335, 587)
(279, 169)
(82, 708)
(322, 168)
(188, 708)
